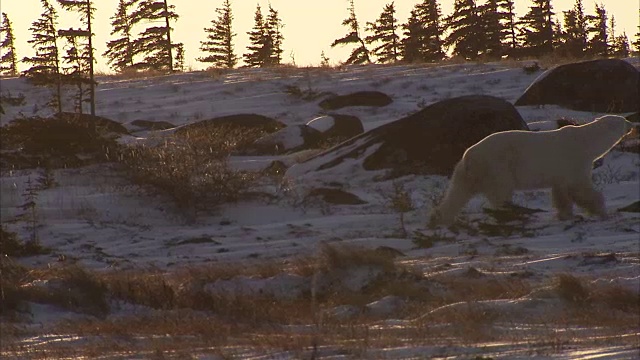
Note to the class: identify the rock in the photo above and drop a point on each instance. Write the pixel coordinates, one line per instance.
(260, 123)
(634, 207)
(336, 128)
(336, 196)
(100, 122)
(360, 98)
(607, 85)
(153, 125)
(547, 125)
(430, 141)
(385, 306)
(289, 139)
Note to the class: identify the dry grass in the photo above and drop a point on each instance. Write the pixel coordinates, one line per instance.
(175, 306)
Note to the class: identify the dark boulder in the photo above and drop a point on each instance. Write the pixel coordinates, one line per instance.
(100, 123)
(430, 141)
(360, 98)
(153, 125)
(335, 196)
(635, 117)
(336, 128)
(607, 85)
(289, 139)
(261, 124)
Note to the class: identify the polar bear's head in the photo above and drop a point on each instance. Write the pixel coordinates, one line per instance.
(613, 124)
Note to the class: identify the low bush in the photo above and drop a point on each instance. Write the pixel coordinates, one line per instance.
(193, 171)
(10, 245)
(54, 142)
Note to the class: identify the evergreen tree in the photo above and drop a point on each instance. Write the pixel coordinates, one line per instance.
(413, 38)
(360, 54)
(384, 32)
(273, 30)
(155, 41)
(465, 30)
(179, 58)
(423, 33)
(620, 47)
(120, 51)
(80, 52)
(498, 27)
(45, 65)
(599, 43)
(219, 43)
(537, 28)
(8, 60)
(575, 31)
(510, 24)
(260, 47)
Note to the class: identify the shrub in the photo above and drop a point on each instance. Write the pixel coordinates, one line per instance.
(192, 171)
(10, 245)
(54, 142)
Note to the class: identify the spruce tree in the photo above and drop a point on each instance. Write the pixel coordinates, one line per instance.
(360, 54)
(620, 47)
(413, 38)
(575, 31)
(273, 30)
(384, 33)
(120, 51)
(537, 29)
(259, 49)
(154, 42)
(8, 60)
(423, 33)
(45, 65)
(599, 43)
(465, 27)
(80, 52)
(218, 46)
(510, 24)
(498, 27)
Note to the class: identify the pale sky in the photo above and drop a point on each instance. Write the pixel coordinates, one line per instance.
(310, 26)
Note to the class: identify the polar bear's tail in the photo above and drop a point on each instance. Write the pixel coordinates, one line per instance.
(458, 193)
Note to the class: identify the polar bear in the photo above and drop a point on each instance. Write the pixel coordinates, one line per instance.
(559, 159)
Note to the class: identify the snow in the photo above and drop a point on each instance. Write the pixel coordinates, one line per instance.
(98, 218)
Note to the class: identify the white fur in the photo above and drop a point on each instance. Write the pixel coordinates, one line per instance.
(520, 160)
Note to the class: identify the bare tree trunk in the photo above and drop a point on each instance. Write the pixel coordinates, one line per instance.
(166, 17)
(92, 89)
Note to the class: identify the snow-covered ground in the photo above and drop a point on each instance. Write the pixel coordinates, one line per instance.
(98, 218)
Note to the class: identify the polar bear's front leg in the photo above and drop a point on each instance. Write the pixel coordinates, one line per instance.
(562, 202)
(499, 194)
(588, 198)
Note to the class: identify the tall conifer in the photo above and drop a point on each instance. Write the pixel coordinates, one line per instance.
(465, 27)
(80, 52)
(384, 34)
(218, 47)
(154, 42)
(9, 58)
(423, 35)
(537, 28)
(360, 54)
(45, 65)
(599, 43)
(259, 47)
(120, 51)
